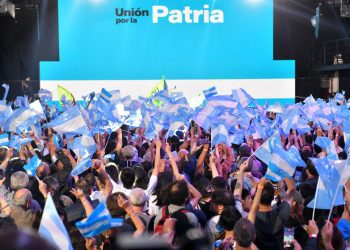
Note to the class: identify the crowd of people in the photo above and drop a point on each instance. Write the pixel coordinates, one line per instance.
(175, 191)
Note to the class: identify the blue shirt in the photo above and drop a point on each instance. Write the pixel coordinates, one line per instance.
(344, 227)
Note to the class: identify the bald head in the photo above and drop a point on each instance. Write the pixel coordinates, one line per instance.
(22, 198)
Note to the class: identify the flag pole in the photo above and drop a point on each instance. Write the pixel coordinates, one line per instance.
(317, 187)
(335, 196)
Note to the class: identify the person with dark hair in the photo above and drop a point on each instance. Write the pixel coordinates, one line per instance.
(204, 187)
(270, 222)
(244, 234)
(7, 225)
(127, 177)
(218, 183)
(178, 198)
(141, 178)
(227, 221)
(119, 206)
(76, 211)
(242, 196)
(220, 200)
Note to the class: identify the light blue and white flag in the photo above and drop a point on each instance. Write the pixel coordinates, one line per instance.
(219, 134)
(258, 132)
(264, 152)
(210, 92)
(346, 129)
(237, 137)
(32, 165)
(83, 165)
(16, 141)
(19, 120)
(70, 122)
(331, 174)
(116, 96)
(99, 221)
(281, 165)
(105, 95)
(275, 108)
(45, 95)
(296, 156)
(242, 97)
(83, 146)
(52, 228)
(328, 145)
(4, 140)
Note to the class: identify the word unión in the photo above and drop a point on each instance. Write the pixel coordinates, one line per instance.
(131, 12)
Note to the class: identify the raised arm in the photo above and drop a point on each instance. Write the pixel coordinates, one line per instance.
(172, 161)
(239, 184)
(290, 190)
(256, 201)
(201, 159)
(108, 187)
(140, 228)
(86, 204)
(120, 140)
(212, 165)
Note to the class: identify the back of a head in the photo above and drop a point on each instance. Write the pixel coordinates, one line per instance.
(22, 198)
(128, 152)
(312, 169)
(244, 232)
(223, 197)
(137, 197)
(19, 240)
(84, 185)
(218, 183)
(3, 153)
(250, 163)
(141, 178)
(228, 218)
(178, 194)
(182, 224)
(113, 207)
(244, 150)
(267, 194)
(112, 171)
(7, 224)
(127, 176)
(51, 182)
(204, 187)
(19, 180)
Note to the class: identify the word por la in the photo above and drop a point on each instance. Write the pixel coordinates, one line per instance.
(187, 15)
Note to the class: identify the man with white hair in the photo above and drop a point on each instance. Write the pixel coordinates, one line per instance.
(19, 180)
(137, 201)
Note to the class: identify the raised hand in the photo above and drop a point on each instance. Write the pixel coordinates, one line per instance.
(78, 193)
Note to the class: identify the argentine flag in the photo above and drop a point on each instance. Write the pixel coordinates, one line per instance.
(70, 122)
(4, 140)
(281, 165)
(99, 221)
(105, 95)
(52, 228)
(210, 92)
(331, 174)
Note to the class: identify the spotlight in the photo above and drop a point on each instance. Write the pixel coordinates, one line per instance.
(7, 7)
